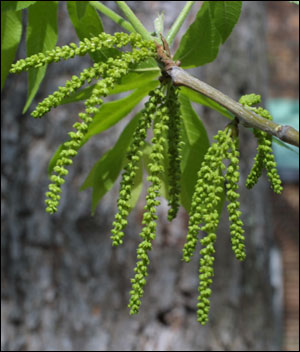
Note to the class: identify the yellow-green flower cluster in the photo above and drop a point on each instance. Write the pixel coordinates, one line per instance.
(204, 210)
(133, 157)
(174, 151)
(156, 170)
(111, 71)
(88, 45)
(264, 157)
(113, 67)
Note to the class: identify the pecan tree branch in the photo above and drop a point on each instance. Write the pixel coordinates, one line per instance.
(249, 118)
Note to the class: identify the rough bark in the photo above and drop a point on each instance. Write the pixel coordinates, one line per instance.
(65, 288)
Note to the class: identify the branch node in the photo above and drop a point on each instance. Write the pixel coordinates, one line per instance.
(164, 55)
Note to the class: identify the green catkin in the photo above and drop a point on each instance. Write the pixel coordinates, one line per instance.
(133, 157)
(149, 218)
(208, 192)
(102, 41)
(115, 69)
(111, 71)
(174, 151)
(264, 157)
(69, 149)
(55, 99)
(232, 178)
(206, 197)
(212, 188)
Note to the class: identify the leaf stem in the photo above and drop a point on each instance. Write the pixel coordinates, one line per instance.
(112, 15)
(136, 23)
(249, 118)
(179, 21)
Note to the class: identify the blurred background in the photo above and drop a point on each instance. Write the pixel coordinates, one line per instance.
(283, 102)
(64, 288)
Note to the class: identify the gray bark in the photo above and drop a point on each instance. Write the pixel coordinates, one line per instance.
(65, 288)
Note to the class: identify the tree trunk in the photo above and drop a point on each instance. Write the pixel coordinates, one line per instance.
(63, 285)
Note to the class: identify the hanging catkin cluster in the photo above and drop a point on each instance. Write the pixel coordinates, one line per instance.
(159, 110)
(110, 73)
(264, 157)
(209, 190)
(217, 179)
(174, 152)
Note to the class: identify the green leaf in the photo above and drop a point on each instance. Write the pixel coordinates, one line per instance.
(81, 7)
(203, 100)
(87, 23)
(212, 26)
(41, 36)
(11, 31)
(107, 169)
(129, 82)
(196, 144)
(15, 5)
(135, 80)
(112, 112)
(146, 65)
(200, 43)
(85, 19)
(225, 16)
